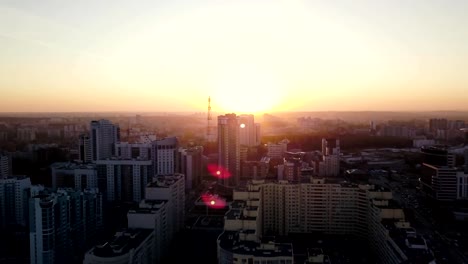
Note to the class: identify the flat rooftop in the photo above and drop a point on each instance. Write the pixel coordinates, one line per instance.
(229, 240)
(122, 243)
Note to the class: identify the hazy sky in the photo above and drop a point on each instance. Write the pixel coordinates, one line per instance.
(90, 55)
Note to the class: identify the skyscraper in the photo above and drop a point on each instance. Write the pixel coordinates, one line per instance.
(330, 164)
(124, 179)
(13, 201)
(249, 132)
(63, 224)
(190, 163)
(165, 155)
(84, 148)
(104, 135)
(229, 149)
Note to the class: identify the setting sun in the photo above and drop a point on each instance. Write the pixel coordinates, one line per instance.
(246, 89)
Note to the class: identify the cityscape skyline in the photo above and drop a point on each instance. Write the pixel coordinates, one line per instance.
(276, 56)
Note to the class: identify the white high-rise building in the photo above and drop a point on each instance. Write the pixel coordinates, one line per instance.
(14, 201)
(62, 224)
(153, 215)
(84, 148)
(164, 158)
(229, 149)
(5, 165)
(172, 189)
(104, 136)
(249, 132)
(125, 150)
(124, 179)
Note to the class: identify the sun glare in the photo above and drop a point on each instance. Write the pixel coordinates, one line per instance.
(247, 90)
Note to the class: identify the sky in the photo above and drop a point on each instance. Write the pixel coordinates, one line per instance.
(249, 56)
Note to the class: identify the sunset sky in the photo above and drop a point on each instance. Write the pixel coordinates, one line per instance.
(249, 56)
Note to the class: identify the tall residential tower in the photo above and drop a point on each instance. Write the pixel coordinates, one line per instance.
(229, 149)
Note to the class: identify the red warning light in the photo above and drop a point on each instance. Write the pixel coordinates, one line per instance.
(218, 171)
(213, 201)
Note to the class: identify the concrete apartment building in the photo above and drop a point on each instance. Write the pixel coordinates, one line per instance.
(74, 175)
(229, 149)
(63, 224)
(104, 135)
(14, 195)
(124, 179)
(336, 208)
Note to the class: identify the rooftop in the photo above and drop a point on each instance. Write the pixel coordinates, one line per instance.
(121, 243)
(229, 240)
(165, 181)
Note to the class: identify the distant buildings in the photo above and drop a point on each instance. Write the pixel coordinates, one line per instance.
(249, 132)
(255, 170)
(104, 135)
(26, 134)
(330, 162)
(229, 149)
(63, 224)
(277, 150)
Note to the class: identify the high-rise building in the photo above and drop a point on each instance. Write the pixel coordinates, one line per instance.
(190, 164)
(63, 224)
(104, 136)
(330, 146)
(462, 185)
(330, 163)
(249, 132)
(153, 215)
(362, 211)
(229, 149)
(14, 195)
(74, 175)
(172, 189)
(125, 150)
(164, 158)
(276, 151)
(84, 148)
(124, 179)
(439, 182)
(438, 156)
(5, 165)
